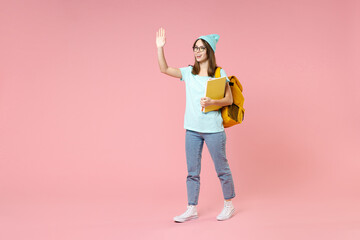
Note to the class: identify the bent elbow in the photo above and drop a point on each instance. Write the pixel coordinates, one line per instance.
(163, 70)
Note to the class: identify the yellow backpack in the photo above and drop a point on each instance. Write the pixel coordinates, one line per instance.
(234, 113)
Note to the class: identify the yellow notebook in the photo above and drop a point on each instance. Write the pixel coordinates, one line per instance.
(215, 89)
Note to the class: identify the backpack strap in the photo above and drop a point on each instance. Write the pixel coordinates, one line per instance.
(217, 72)
(217, 75)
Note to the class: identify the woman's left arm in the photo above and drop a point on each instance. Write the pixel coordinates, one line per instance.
(225, 101)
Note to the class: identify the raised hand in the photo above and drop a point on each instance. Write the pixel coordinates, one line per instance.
(160, 38)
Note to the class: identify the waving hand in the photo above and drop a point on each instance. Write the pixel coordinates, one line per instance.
(160, 38)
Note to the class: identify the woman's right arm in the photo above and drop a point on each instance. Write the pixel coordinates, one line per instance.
(164, 68)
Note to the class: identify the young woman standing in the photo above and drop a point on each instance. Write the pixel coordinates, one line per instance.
(201, 126)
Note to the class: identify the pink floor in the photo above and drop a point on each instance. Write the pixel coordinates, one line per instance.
(255, 218)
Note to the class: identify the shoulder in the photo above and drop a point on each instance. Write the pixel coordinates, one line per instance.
(223, 73)
(185, 72)
(187, 69)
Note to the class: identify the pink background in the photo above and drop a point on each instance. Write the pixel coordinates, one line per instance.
(91, 132)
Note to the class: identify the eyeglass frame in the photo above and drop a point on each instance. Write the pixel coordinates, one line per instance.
(199, 49)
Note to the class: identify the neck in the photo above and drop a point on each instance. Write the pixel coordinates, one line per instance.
(204, 65)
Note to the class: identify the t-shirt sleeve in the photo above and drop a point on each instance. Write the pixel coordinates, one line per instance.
(223, 74)
(185, 71)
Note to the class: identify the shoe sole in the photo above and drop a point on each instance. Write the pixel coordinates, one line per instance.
(231, 214)
(187, 219)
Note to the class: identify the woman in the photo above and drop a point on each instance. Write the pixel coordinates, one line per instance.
(201, 126)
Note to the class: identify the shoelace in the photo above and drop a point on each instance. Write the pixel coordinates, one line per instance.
(189, 209)
(227, 209)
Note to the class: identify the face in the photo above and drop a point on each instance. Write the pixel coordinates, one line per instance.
(199, 55)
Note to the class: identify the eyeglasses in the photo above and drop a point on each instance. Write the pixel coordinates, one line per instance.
(196, 49)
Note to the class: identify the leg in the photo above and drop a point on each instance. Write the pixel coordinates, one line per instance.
(216, 144)
(194, 145)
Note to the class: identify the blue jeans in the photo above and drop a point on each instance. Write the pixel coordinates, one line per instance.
(215, 142)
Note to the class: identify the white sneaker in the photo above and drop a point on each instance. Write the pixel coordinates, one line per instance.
(190, 213)
(227, 211)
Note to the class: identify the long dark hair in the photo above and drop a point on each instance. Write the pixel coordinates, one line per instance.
(212, 61)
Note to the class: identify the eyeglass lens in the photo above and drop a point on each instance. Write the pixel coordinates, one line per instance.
(199, 49)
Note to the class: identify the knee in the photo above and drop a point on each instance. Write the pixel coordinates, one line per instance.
(224, 173)
(193, 177)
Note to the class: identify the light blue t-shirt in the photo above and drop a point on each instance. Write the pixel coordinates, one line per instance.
(194, 118)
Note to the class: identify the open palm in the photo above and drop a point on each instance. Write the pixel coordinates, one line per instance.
(160, 38)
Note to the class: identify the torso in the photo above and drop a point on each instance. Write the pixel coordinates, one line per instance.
(194, 118)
